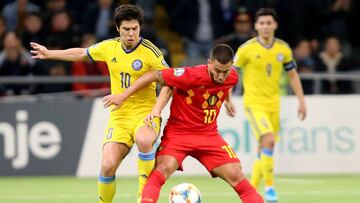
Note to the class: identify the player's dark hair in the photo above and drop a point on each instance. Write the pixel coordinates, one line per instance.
(266, 12)
(128, 12)
(222, 53)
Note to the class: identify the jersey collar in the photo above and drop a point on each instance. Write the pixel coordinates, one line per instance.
(131, 50)
(266, 46)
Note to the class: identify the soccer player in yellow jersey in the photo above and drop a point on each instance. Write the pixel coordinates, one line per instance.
(262, 59)
(128, 57)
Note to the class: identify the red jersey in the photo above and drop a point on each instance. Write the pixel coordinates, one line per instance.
(196, 99)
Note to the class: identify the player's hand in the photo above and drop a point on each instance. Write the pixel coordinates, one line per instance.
(151, 116)
(39, 51)
(302, 111)
(230, 108)
(113, 99)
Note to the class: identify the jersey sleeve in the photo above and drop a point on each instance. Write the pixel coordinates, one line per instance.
(158, 63)
(289, 61)
(97, 52)
(156, 57)
(177, 77)
(240, 57)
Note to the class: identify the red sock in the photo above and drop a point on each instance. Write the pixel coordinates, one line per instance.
(247, 193)
(152, 187)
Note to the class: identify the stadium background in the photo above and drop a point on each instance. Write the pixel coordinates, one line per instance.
(54, 127)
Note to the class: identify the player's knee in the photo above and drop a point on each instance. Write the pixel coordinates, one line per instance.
(268, 141)
(235, 176)
(108, 167)
(164, 169)
(145, 141)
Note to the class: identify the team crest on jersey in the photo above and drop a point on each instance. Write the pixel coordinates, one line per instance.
(179, 71)
(212, 100)
(280, 57)
(164, 63)
(137, 64)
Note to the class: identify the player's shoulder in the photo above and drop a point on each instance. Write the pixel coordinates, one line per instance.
(251, 42)
(198, 69)
(109, 42)
(151, 48)
(112, 40)
(197, 72)
(282, 43)
(233, 74)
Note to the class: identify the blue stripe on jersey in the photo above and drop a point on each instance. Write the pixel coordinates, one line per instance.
(267, 152)
(88, 53)
(147, 156)
(290, 65)
(105, 179)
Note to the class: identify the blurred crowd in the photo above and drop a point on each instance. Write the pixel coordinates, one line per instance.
(322, 33)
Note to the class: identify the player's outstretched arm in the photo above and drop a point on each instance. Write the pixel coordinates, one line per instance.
(298, 90)
(118, 99)
(73, 54)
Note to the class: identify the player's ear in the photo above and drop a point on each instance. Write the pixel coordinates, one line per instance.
(117, 28)
(256, 26)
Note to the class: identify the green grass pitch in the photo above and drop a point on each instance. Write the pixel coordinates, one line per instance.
(291, 189)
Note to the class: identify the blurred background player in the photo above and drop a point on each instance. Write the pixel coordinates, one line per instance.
(262, 60)
(135, 56)
(191, 130)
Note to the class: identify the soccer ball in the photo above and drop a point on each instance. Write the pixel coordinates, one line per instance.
(184, 193)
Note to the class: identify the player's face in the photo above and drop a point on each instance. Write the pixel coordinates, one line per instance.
(218, 71)
(266, 26)
(129, 31)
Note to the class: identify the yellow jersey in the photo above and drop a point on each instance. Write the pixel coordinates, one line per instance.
(125, 67)
(262, 67)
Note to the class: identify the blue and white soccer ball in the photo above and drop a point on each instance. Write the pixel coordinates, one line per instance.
(184, 193)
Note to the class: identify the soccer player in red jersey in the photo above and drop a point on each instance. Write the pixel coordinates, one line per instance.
(198, 93)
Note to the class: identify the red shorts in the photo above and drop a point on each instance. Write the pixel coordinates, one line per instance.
(210, 150)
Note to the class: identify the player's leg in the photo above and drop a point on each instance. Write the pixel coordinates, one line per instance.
(262, 129)
(267, 143)
(253, 116)
(112, 155)
(263, 166)
(233, 174)
(221, 160)
(145, 137)
(256, 171)
(165, 166)
(116, 145)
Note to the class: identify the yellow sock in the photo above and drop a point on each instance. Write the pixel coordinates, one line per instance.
(106, 189)
(146, 163)
(256, 172)
(267, 163)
